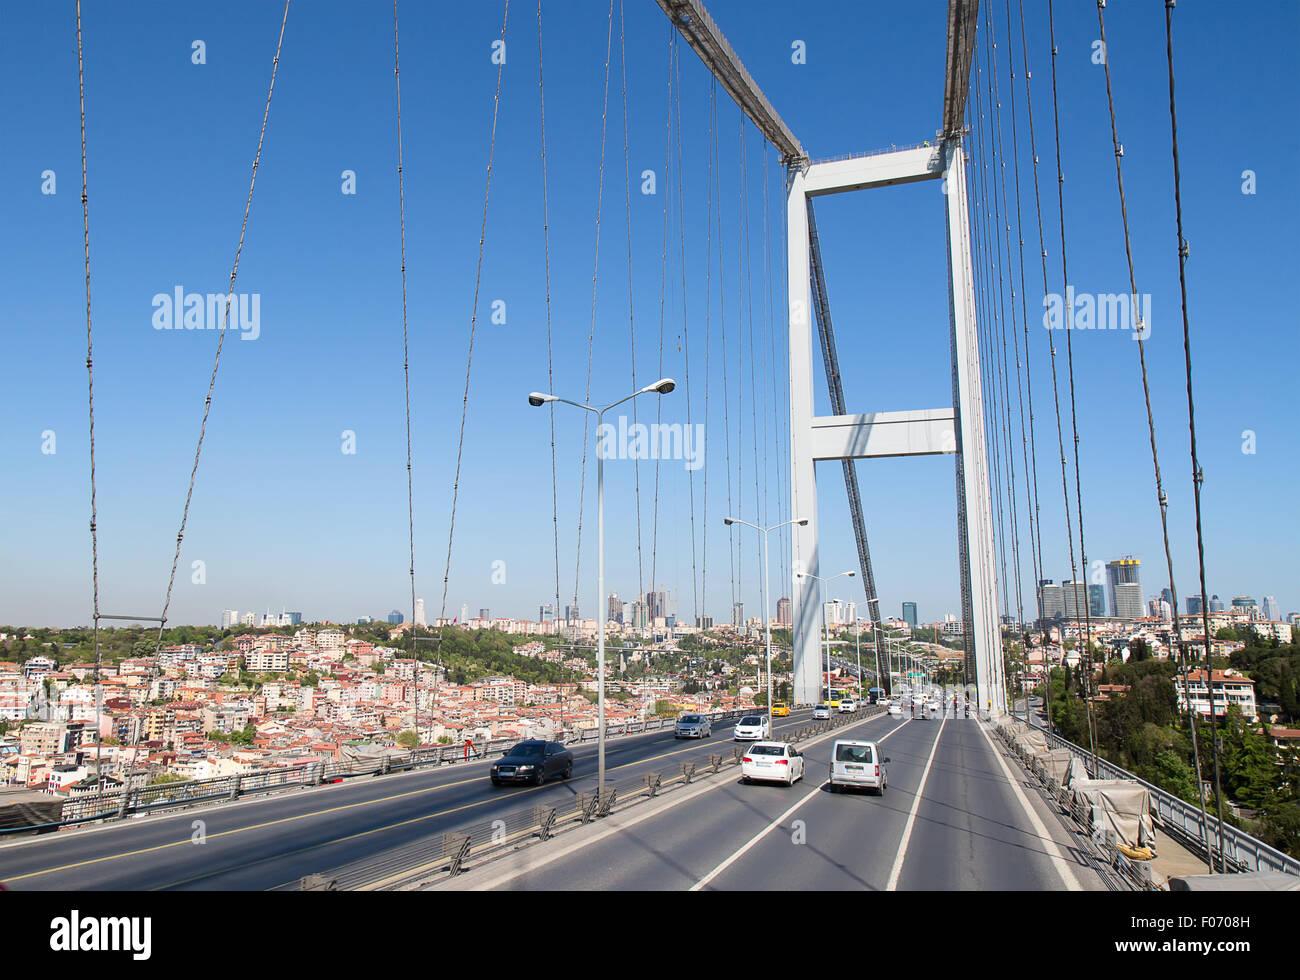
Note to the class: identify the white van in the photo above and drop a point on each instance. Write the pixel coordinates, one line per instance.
(858, 763)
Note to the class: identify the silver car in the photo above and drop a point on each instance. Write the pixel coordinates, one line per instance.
(693, 726)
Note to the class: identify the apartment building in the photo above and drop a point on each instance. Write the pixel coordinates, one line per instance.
(1229, 688)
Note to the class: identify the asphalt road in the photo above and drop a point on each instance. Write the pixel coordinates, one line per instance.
(951, 819)
(263, 843)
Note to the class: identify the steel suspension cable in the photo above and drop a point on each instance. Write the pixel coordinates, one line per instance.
(1162, 499)
(1029, 449)
(90, 380)
(1005, 221)
(591, 335)
(1042, 247)
(406, 370)
(1074, 417)
(212, 381)
(1198, 477)
(473, 323)
(550, 362)
(631, 323)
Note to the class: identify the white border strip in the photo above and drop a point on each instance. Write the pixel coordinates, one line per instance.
(911, 817)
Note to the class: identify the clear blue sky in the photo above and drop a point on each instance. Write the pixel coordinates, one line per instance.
(283, 518)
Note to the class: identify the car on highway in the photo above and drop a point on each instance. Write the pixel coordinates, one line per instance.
(858, 764)
(821, 713)
(896, 711)
(751, 728)
(532, 761)
(848, 706)
(780, 709)
(778, 762)
(693, 726)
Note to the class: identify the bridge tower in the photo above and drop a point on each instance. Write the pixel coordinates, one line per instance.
(958, 430)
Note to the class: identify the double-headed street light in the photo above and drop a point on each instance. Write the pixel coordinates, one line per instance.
(662, 387)
(766, 617)
(825, 626)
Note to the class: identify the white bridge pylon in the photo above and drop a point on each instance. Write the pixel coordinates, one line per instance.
(958, 430)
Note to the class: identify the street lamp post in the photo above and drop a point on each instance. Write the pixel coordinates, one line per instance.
(663, 386)
(767, 621)
(825, 628)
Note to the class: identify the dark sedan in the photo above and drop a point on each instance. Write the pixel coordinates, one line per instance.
(533, 761)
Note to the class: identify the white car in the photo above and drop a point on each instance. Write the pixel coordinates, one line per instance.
(751, 728)
(847, 706)
(859, 764)
(778, 762)
(895, 711)
(821, 713)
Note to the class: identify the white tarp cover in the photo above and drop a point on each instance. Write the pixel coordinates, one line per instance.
(1076, 772)
(1125, 807)
(1247, 881)
(1053, 766)
(28, 808)
(1029, 743)
(364, 756)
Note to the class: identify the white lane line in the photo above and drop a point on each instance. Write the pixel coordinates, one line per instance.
(770, 827)
(1062, 867)
(911, 817)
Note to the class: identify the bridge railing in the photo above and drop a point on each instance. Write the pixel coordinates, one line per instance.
(193, 792)
(1186, 821)
(443, 855)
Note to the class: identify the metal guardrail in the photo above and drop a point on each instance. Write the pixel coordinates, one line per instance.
(1243, 851)
(444, 853)
(192, 792)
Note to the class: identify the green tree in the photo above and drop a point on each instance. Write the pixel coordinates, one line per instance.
(408, 739)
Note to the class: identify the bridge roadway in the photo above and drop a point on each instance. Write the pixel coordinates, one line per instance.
(956, 816)
(265, 842)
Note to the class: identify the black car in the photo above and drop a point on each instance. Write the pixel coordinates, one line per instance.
(533, 761)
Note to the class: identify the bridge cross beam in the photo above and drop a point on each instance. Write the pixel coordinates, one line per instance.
(958, 430)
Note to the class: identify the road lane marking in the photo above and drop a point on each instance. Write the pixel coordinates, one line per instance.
(911, 817)
(491, 877)
(1049, 843)
(317, 813)
(769, 828)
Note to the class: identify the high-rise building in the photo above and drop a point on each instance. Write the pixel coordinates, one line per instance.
(395, 617)
(1167, 594)
(571, 614)
(704, 622)
(1195, 605)
(1074, 595)
(419, 613)
(613, 609)
(229, 618)
(737, 614)
(909, 614)
(1128, 600)
(249, 619)
(1269, 609)
(485, 614)
(464, 612)
(546, 612)
(1246, 604)
(783, 611)
(1216, 604)
(1051, 599)
(1122, 571)
(640, 615)
(1096, 600)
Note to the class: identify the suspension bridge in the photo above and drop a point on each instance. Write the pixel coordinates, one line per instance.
(962, 810)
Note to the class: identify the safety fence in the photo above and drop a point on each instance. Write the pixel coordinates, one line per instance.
(193, 792)
(1181, 820)
(444, 855)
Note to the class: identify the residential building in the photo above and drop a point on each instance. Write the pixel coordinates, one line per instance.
(1123, 571)
(1229, 688)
